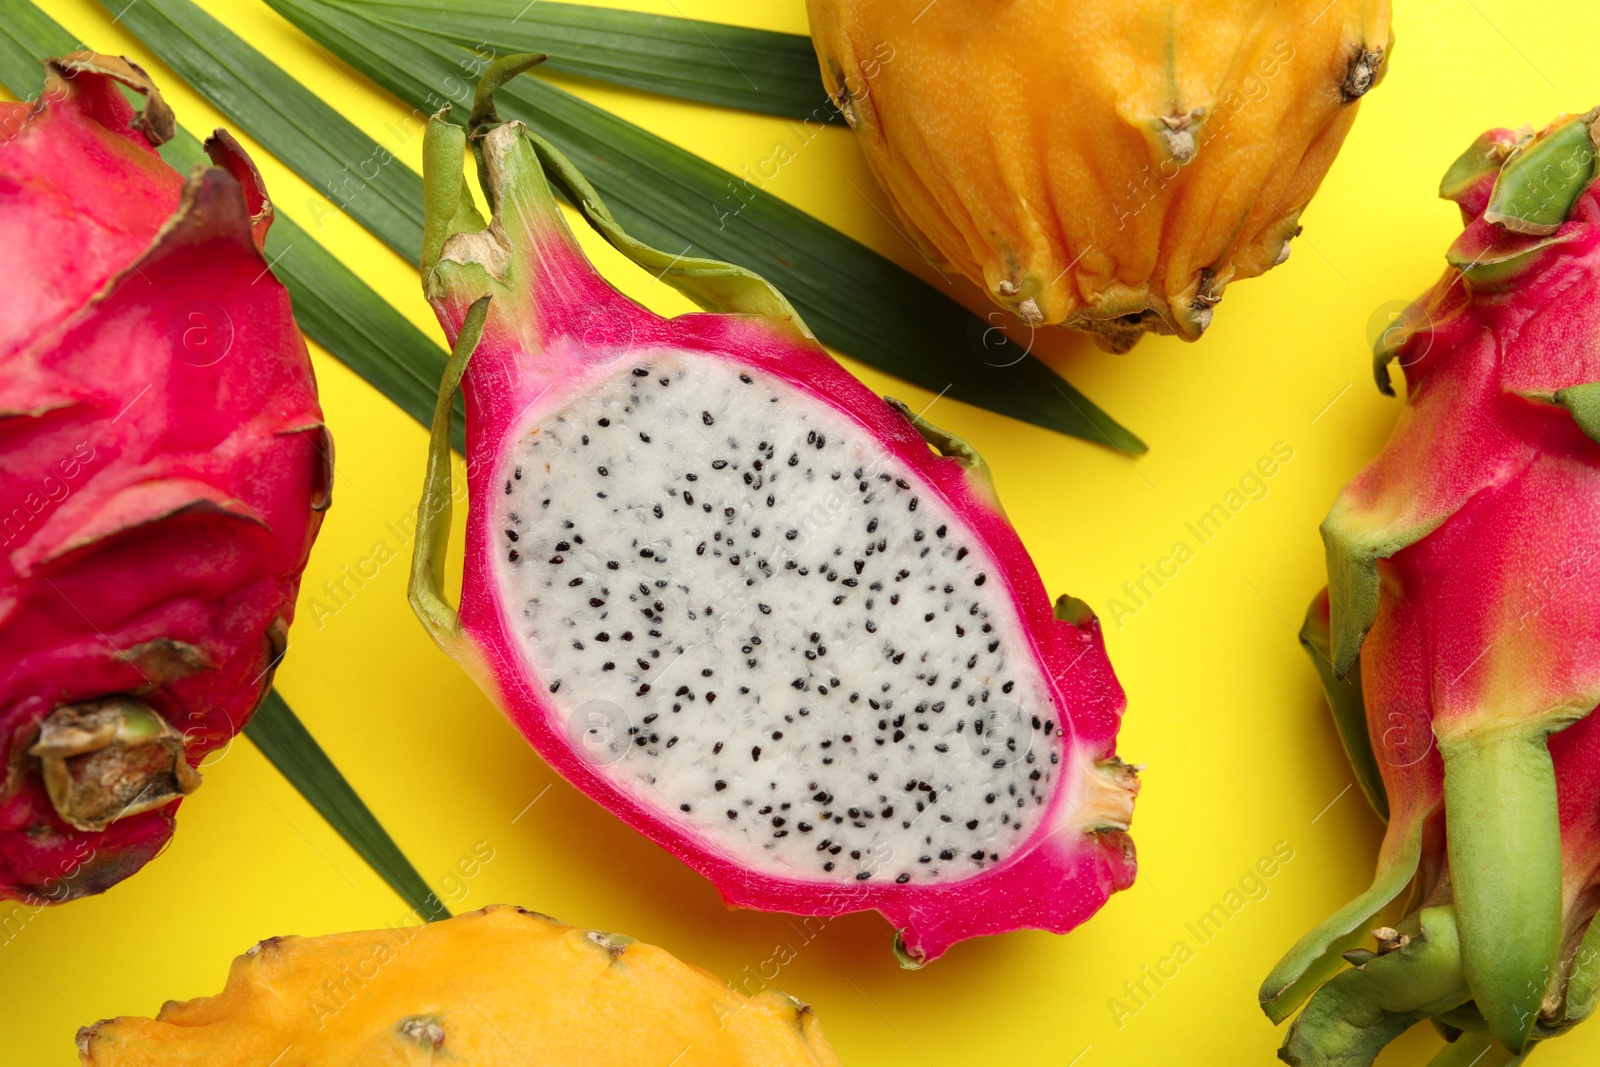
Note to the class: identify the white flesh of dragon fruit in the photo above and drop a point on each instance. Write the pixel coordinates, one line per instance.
(817, 673)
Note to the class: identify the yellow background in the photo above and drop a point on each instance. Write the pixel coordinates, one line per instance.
(1223, 708)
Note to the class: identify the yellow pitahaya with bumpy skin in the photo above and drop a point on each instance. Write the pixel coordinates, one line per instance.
(1107, 166)
(1464, 570)
(498, 987)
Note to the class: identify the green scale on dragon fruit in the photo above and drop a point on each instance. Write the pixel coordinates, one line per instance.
(739, 600)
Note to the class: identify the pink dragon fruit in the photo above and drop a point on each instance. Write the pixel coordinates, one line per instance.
(163, 466)
(738, 599)
(1464, 569)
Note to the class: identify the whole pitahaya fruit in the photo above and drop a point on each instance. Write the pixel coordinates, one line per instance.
(1110, 165)
(163, 466)
(738, 600)
(1464, 570)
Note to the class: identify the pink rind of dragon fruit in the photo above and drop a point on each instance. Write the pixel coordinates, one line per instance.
(738, 599)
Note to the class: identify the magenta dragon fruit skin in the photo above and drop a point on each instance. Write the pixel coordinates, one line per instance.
(163, 467)
(739, 601)
(1464, 567)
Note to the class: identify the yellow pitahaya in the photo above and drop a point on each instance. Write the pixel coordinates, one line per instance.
(499, 986)
(1108, 166)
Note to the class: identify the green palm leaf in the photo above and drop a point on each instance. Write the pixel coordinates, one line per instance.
(708, 62)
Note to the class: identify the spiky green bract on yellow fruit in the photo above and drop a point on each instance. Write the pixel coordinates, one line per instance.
(500, 987)
(1105, 164)
(1463, 574)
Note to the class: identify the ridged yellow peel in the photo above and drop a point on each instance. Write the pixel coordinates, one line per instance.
(1105, 164)
(501, 987)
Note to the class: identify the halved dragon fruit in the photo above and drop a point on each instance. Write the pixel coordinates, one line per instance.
(163, 469)
(738, 599)
(1464, 570)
